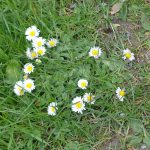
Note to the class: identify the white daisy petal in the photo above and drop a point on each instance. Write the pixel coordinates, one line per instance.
(28, 68)
(19, 88)
(89, 98)
(32, 32)
(40, 50)
(52, 43)
(128, 55)
(78, 105)
(120, 93)
(95, 52)
(38, 42)
(31, 54)
(29, 85)
(52, 109)
(82, 83)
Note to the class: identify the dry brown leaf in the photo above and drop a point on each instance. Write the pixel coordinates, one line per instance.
(115, 8)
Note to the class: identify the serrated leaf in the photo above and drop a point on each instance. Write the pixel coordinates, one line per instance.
(136, 126)
(135, 140)
(146, 140)
(13, 71)
(116, 8)
(145, 20)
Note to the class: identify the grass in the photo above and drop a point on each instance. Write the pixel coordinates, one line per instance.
(24, 123)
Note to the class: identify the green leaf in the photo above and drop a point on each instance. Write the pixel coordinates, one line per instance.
(136, 126)
(13, 71)
(3, 56)
(135, 140)
(145, 20)
(146, 140)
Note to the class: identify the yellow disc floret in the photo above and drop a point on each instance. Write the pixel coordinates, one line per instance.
(122, 93)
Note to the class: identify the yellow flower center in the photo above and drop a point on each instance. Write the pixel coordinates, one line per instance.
(29, 68)
(29, 85)
(32, 33)
(52, 43)
(89, 98)
(40, 51)
(78, 105)
(39, 43)
(95, 52)
(53, 109)
(128, 55)
(21, 92)
(33, 54)
(83, 84)
(122, 93)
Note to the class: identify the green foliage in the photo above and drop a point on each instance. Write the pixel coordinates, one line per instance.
(79, 25)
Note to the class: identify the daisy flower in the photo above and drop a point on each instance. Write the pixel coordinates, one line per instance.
(28, 68)
(82, 83)
(120, 93)
(52, 42)
(18, 88)
(31, 54)
(95, 52)
(52, 108)
(29, 85)
(38, 42)
(89, 98)
(40, 50)
(128, 55)
(32, 32)
(78, 105)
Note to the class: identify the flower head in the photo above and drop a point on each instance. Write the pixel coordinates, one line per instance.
(128, 55)
(82, 83)
(28, 68)
(38, 61)
(52, 108)
(120, 93)
(40, 50)
(29, 85)
(32, 32)
(78, 105)
(95, 52)
(18, 88)
(52, 42)
(31, 54)
(38, 42)
(89, 98)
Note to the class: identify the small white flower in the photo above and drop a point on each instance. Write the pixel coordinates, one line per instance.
(40, 50)
(38, 42)
(89, 98)
(128, 55)
(28, 68)
(38, 61)
(18, 88)
(32, 32)
(31, 54)
(52, 109)
(78, 105)
(29, 85)
(120, 93)
(95, 52)
(52, 42)
(82, 83)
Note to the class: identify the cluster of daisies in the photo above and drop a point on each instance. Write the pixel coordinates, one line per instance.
(38, 50)
(35, 53)
(78, 103)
